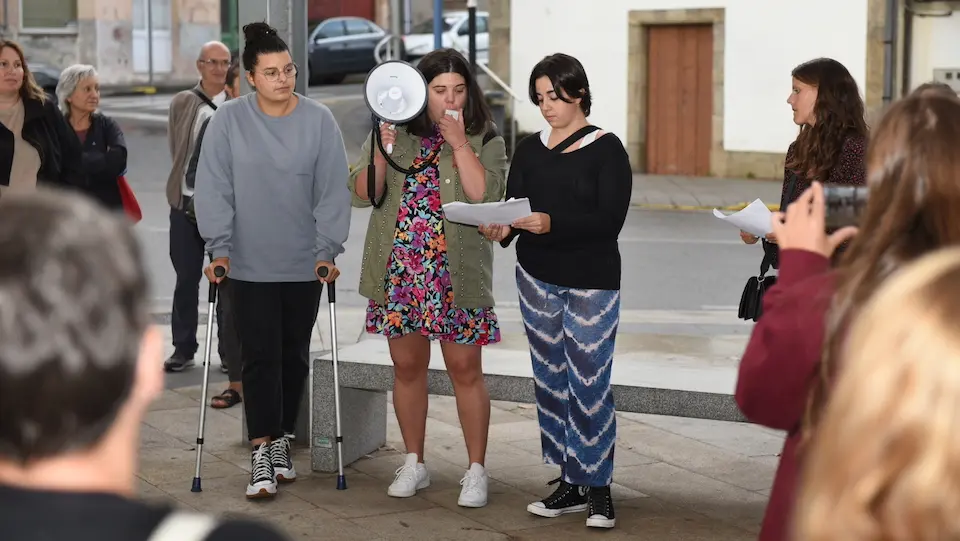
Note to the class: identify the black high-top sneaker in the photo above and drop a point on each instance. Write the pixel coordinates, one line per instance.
(282, 463)
(566, 498)
(262, 481)
(600, 514)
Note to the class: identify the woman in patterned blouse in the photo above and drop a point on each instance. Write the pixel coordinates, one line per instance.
(832, 140)
(427, 278)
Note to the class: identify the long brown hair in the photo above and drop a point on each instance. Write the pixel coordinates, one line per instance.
(913, 174)
(885, 462)
(29, 89)
(839, 114)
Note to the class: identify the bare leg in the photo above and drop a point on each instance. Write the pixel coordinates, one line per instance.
(411, 357)
(473, 402)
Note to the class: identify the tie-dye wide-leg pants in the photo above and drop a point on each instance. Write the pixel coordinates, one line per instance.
(572, 334)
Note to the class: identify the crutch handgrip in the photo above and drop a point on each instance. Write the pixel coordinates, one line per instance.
(218, 271)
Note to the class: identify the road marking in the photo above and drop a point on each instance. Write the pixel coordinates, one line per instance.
(509, 312)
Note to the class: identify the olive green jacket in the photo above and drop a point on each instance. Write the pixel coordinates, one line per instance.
(469, 254)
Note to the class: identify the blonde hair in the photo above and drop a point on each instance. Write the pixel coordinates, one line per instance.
(885, 462)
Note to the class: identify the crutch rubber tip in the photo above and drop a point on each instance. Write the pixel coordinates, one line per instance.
(341, 482)
(196, 485)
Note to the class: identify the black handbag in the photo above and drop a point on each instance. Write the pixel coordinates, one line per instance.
(751, 301)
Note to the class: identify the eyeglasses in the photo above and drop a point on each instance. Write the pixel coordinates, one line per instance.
(218, 63)
(273, 74)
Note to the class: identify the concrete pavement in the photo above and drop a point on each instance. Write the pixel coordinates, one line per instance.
(674, 479)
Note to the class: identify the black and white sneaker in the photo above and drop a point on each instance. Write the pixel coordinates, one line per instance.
(566, 499)
(282, 463)
(178, 362)
(600, 514)
(263, 484)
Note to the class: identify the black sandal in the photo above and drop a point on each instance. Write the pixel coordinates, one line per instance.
(227, 399)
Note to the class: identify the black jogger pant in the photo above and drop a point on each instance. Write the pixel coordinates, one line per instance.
(228, 341)
(275, 322)
(186, 254)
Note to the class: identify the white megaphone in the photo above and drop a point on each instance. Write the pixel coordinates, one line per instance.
(396, 93)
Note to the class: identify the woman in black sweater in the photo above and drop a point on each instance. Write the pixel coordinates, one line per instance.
(578, 181)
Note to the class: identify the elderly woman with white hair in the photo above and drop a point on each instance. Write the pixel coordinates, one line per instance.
(104, 156)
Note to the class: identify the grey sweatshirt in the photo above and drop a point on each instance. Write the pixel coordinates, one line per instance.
(271, 192)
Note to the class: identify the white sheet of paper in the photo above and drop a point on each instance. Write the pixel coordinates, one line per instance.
(754, 219)
(500, 212)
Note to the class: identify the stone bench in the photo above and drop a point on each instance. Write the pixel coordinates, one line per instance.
(643, 383)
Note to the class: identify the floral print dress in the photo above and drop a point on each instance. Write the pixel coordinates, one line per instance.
(419, 289)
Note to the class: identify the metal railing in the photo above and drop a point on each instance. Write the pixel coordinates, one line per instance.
(393, 44)
(511, 111)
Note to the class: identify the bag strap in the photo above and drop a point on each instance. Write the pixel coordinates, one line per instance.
(205, 99)
(181, 525)
(785, 200)
(578, 135)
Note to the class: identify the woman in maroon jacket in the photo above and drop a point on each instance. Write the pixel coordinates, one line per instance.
(829, 148)
(914, 180)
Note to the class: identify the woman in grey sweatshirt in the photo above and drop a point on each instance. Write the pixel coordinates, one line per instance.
(273, 207)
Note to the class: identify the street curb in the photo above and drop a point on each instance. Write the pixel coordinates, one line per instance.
(672, 206)
(144, 90)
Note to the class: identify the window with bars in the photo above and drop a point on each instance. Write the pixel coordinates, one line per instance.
(48, 14)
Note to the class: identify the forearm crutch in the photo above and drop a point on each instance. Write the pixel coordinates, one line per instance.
(332, 298)
(218, 271)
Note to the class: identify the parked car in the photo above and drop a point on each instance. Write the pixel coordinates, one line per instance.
(46, 76)
(341, 46)
(456, 34)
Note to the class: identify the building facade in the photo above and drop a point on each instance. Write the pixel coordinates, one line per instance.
(699, 87)
(113, 36)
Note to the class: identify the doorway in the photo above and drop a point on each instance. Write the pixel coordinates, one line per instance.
(679, 99)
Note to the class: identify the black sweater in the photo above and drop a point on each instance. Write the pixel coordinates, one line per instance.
(586, 193)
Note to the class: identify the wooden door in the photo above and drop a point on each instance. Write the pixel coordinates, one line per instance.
(679, 99)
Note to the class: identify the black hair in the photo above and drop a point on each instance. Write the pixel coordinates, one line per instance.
(476, 113)
(566, 74)
(260, 38)
(232, 72)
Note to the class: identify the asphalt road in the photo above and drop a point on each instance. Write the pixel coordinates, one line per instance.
(684, 265)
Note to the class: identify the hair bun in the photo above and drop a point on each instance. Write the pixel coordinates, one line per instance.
(256, 31)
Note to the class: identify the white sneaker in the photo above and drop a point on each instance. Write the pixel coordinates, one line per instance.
(263, 484)
(474, 483)
(411, 477)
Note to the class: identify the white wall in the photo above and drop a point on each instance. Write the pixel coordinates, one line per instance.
(935, 45)
(765, 40)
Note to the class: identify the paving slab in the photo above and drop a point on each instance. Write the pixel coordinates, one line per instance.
(674, 479)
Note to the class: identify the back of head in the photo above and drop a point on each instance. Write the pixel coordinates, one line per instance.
(885, 463)
(913, 174)
(73, 310)
(260, 38)
(839, 114)
(935, 88)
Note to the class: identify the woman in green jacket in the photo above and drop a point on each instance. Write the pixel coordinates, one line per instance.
(427, 278)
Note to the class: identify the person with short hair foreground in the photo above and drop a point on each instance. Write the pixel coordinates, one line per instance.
(79, 366)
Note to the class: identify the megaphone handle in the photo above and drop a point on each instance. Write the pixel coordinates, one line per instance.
(389, 148)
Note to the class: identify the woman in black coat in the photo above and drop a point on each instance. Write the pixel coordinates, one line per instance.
(36, 146)
(104, 151)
